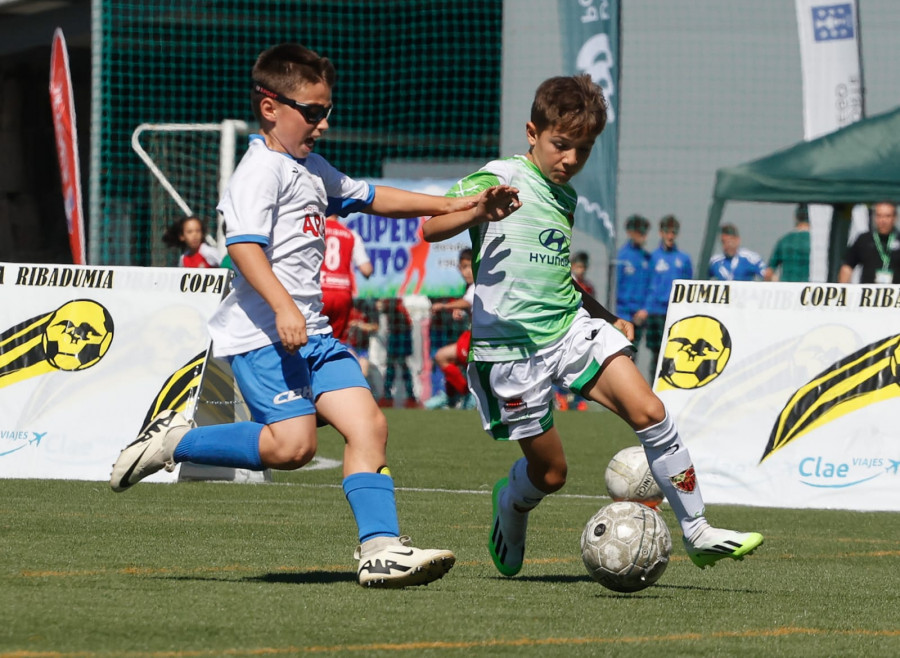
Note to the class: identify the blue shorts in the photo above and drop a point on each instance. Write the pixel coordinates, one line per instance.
(277, 385)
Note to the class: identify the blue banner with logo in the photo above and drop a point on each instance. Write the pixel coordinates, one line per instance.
(590, 38)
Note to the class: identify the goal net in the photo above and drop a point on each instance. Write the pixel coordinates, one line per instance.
(190, 165)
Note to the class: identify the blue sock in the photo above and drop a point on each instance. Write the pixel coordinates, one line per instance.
(235, 445)
(371, 497)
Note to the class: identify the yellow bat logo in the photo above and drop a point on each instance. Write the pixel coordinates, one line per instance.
(867, 376)
(73, 337)
(696, 352)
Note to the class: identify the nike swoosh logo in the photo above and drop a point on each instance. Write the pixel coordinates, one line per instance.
(407, 553)
(131, 469)
(155, 426)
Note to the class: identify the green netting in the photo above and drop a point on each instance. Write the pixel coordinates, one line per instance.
(417, 79)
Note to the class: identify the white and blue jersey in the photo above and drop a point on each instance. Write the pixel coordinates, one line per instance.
(632, 279)
(666, 265)
(281, 204)
(745, 265)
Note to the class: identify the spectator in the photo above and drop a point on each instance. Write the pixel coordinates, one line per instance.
(189, 234)
(580, 264)
(451, 359)
(877, 251)
(359, 333)
(791, 252)
(399, 348)
(633, 273)
(343, 249)
(667, 263)
(735, 263)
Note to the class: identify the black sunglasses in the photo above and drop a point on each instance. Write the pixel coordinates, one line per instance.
(312, 112)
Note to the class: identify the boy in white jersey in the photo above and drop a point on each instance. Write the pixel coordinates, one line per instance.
(531, 331)
(270, 327)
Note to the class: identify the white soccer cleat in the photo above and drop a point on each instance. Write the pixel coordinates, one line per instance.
(153, 450)
(713, 544)
(391, 562)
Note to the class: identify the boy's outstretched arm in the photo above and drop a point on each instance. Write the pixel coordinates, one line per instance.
(492, 205)
(598, 310)
(399, 204)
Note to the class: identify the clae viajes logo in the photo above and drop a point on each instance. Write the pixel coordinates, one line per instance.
(825, 473)
(12, 441)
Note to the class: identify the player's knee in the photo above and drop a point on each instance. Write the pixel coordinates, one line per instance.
(556, 478)
(292, 453)
(369, 434)
(651, 411)
(379, 429)
(552, 477)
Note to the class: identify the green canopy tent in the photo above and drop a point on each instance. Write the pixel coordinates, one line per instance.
(856, 164)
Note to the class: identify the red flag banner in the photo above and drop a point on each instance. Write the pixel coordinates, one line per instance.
(63, 109)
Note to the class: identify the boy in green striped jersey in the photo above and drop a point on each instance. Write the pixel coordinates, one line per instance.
(531, 329)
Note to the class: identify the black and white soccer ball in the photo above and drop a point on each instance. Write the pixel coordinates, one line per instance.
(626, 546)
(628, 477)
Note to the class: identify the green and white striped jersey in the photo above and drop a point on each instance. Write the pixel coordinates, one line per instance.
(524, 296)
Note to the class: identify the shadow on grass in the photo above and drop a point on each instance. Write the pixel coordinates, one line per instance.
(288, 578)
(306, 577)
(568, 578)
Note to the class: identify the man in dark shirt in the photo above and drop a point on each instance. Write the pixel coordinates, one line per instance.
(878, 251)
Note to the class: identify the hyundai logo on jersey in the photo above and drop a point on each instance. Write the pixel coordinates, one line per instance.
(554, 240)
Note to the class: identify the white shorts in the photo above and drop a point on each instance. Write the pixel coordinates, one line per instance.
(515, 398)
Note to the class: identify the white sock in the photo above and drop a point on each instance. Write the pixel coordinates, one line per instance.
(672, 468)
(522, 493)
(517, 500)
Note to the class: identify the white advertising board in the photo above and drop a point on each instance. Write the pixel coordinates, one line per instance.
(86, 353)
(786, 394)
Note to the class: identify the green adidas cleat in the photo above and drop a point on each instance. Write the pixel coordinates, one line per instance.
(714, 544)
(507, 556)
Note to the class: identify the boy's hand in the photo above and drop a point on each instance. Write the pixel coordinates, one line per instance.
(498, 202)
(491, 205)
(291, 326)
(625, 327)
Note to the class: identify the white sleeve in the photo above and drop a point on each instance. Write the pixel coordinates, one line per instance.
(469, 295)
(210, 254)
(249, 201)
(360, 256)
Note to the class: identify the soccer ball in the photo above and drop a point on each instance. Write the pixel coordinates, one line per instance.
(628, 477)
(625, 546)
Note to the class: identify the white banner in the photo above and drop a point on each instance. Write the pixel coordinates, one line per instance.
(786, 394)
(86, 353)
(832, 95)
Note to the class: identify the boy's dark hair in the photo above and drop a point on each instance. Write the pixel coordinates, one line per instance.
(572, 104)
(582, 258)
(637, 223)
(669, 223)
(172, 235)
(465, 254)
(729, 229)
(801, 214)
(287, 66)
